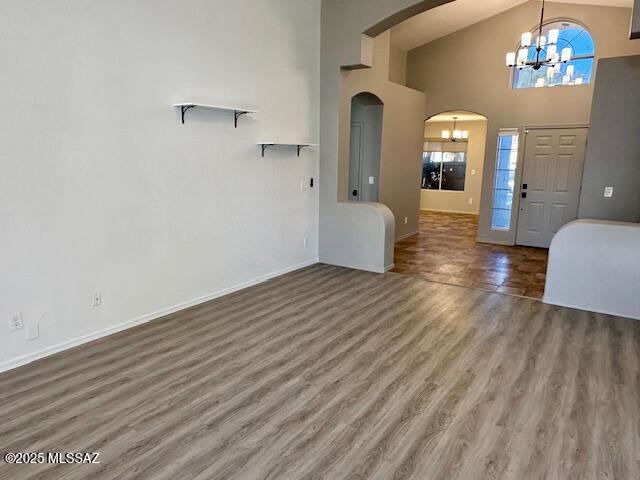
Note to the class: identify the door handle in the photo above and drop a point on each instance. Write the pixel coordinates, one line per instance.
(524, 194)
(354, 193)
(525, 186)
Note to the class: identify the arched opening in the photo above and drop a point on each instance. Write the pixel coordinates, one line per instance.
(453, 162)
(365, 147)
(568, 35)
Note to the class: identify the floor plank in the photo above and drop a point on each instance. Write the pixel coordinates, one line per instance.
(338, 374)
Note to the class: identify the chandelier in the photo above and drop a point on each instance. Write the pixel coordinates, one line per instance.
(455, 135)
(546, 51)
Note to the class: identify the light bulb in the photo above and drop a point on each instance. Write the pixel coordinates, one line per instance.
(540, 82)
(457, 134)
(550, 72)
(557, 68)
(552, 50)
(511, 59)
(553, 36)
(465, 134)
(526, 39)
(570, 71)
(579, 81)
(566, 80)
(541, 41)
(566, 54)
(446, 134)
(523, 54)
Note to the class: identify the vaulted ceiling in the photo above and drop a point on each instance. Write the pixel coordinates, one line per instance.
(448, 18)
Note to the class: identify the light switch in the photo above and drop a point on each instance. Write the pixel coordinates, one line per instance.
(608, 192)
(372, 180)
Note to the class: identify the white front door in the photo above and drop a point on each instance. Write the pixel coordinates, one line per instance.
(551, 182)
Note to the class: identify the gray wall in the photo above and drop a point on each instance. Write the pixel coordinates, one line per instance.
(397, 65)
(635, 24)
(357, 235)
(613, 152)
(402, 137)
(466, 71)
(595, 265)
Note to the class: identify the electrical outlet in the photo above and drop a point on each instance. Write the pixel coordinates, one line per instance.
(473, 171)
(15, 322)
(471, 201)
(97, 299)
(305, 242)
(608, 192)
(406, 220)
(33, 331)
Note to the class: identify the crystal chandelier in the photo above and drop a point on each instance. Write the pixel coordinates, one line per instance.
(546, 51)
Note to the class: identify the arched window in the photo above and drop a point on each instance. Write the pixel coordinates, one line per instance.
(577, 71)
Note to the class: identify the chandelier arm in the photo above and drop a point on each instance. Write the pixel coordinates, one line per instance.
(538, 45)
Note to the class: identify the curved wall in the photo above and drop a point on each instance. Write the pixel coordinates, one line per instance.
(343, 226)
(595, 265)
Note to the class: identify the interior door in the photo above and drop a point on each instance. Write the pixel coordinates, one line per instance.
(355, 160)
(551, 182)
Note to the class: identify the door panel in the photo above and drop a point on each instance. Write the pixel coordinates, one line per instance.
(551, 181)
(558, 214)
(563, 173)
(534, 219)
(539, 167)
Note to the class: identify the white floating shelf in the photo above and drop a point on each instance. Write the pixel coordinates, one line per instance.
(300, 145)
(237, 111)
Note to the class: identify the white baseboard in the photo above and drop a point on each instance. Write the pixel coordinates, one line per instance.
(408, 235)
(492, 241)
(461, 212)
(390, 267)
(588, 308)
(23, 360)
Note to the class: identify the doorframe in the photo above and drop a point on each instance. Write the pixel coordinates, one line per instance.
(361, 125)
(520, 170)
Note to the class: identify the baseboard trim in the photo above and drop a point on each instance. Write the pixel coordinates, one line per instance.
(460, 212)
(61, 347)
(390, 267)
(492, 241)
(629, 315)
(408, 235)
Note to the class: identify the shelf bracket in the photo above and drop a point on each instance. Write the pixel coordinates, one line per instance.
(300, 147)
(265, 146)
(184, 109)
(237, 115)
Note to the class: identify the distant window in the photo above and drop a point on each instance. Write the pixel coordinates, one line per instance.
(577, 71)
(505, 180)
(444, 166)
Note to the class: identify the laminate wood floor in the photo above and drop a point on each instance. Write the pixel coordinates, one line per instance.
(445, 251)
(330, 373)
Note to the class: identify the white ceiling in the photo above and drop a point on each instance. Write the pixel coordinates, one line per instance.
(454, 16)
(462, 117)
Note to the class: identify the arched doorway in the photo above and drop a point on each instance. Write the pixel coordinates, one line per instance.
(453, 162)
(365, 147)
